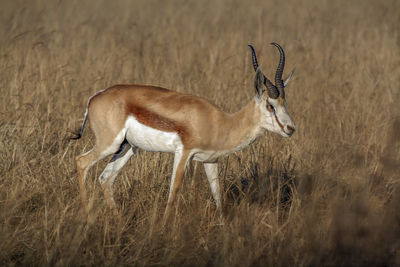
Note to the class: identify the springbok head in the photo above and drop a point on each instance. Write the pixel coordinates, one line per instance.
(273, 104)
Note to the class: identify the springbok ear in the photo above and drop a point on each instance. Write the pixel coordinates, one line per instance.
(286, 82)
(259, 82)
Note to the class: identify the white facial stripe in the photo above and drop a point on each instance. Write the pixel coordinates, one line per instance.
(273, 102)
(277, 120)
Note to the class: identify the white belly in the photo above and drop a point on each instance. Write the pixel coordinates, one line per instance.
(208, 155)
(151, 139)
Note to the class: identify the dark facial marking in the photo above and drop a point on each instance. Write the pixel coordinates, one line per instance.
(279, 123)
(270, 107)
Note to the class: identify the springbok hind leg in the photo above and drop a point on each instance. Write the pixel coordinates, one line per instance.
(87, 160)
(112, 169)
(83, 163)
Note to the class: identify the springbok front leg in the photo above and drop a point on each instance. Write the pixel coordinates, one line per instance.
(212, 176)
(112, 169)
(180, 160)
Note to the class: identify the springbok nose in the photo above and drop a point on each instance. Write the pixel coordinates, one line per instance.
(290, 130)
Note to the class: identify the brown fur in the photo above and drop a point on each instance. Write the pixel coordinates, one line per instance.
(199, 123)
(157, 121)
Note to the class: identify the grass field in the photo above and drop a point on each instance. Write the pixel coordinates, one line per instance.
(330, 195)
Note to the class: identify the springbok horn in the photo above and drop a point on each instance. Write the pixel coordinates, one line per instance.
(279, 71)
(272, 90)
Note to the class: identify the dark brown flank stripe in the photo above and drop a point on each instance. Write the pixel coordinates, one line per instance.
(156, 121)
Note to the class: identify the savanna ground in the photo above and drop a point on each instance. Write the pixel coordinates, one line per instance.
(330, 195)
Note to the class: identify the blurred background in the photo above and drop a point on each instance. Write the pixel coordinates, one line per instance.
(330, 195)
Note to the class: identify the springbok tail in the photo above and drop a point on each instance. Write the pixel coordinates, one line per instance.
(79, 134)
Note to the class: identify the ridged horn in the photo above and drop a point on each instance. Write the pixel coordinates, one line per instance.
(272, 90)
(279, 71)
(254, 57)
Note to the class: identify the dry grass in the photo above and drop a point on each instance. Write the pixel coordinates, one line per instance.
(330, 195)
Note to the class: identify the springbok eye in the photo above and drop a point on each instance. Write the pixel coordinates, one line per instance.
(270, 107)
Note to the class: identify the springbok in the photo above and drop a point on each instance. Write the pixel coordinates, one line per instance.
(126, 117)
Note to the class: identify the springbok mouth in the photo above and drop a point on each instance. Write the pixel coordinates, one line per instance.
(288, 134)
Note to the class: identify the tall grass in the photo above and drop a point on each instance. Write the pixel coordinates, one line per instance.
(330, 195)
